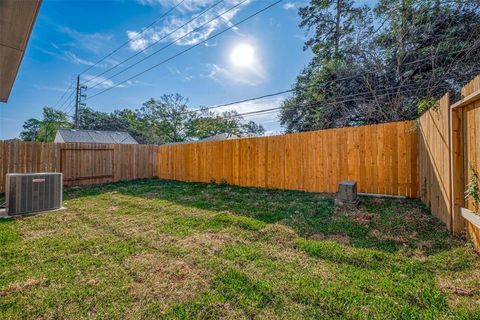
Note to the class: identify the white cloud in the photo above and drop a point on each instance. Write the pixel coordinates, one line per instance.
(77, 60)
(289, 6)
(185, 6)
(73, 57)
(103, 82)
(100, 82)
(93, 42)
(137, 43)
(225, 76)
(168, 31)
(268, 120)
(180, 74)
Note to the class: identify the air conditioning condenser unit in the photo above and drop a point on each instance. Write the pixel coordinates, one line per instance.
(33, 192)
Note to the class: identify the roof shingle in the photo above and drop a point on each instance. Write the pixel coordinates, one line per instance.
(95, 136)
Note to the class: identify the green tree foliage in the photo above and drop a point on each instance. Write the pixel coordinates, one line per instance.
(30, 130)
(164, 120)
(373, 65)
(45, 130)
(208, 123)
(169, 119)
(119, 120)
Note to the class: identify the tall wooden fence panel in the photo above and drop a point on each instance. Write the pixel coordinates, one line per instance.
(80, 163)
(470, 116)
(449, 154)
(381, 158)
(434, 160)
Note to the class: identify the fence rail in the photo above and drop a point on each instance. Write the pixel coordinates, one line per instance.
(80, 163)
(381, 158)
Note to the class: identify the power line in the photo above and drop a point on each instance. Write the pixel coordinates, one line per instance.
(190, 48)
(314, 103)
(314, 85)
(64, 93)
(241, 101)
(138, 35)
(291, 90)
(171, 43)
(346, 78)
(107, 89)
(67, 100)
(69, 109)
(154, 43)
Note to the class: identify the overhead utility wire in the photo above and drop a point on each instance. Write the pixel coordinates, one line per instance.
(332, 81)
(64, 93)
(138, 35)
(287, 91)
(196, 29)
(68, 99)
(190, 48)
(326, 103)
(313, 85)
(309, 104)
(171, 43)
(157, 41)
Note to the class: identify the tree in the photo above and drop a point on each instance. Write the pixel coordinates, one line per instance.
(45, 130)
(119, 120)
(169, 120)
(385, 64)
(52, 121)
(166, 119)
(338, 46)
(335, 25)
(209, 123)
(30, 130)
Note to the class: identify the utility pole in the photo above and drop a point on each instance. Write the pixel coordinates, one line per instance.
(80, 96)
(77, 101)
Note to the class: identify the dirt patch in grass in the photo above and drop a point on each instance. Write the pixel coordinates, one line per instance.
(165, 280)
(398, 239)
(462, 287)
(209, 242)
(20, 286)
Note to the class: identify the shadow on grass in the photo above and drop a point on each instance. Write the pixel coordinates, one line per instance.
(390, 225)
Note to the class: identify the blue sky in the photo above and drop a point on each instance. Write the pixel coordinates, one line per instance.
(70, 35)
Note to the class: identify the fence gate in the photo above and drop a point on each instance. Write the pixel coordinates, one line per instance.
(87, 165)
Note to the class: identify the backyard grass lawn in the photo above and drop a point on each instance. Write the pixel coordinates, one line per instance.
(164, 249)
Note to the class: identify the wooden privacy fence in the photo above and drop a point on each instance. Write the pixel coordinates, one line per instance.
(449, 155)
(80, 163)
(434, 159)
(381, 158)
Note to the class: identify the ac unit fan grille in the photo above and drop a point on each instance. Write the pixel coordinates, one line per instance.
(28, 193)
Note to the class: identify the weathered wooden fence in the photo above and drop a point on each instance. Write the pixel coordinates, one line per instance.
(80, 163)
(381, 158)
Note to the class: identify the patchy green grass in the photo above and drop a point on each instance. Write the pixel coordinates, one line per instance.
(164, 249)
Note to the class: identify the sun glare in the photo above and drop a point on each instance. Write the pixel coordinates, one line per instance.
(243, 56)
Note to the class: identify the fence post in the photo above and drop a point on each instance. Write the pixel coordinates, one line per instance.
(457, 168)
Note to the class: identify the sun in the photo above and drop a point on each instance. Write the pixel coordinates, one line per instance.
(243, 55)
